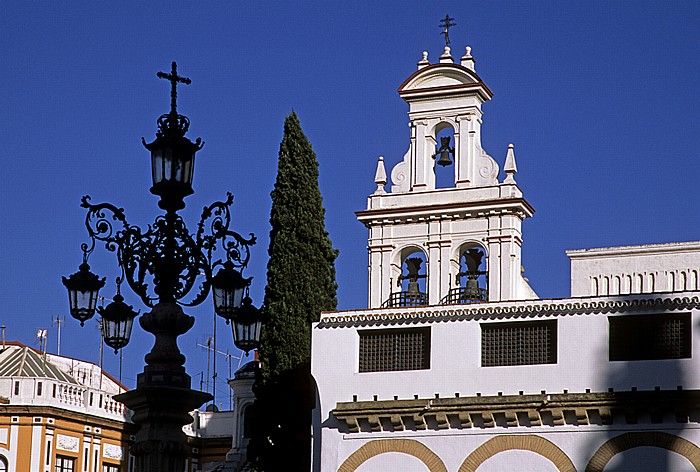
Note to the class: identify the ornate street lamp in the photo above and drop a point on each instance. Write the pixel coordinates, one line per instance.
(83, 289)
(162, 265)
(228, 286)
(117, 320)
(247, 321)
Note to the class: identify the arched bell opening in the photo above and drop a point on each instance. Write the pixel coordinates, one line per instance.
(444, 156)
(409, 288)
(471, 278)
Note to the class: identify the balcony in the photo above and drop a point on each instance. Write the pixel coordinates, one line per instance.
(465, 296)
(406, 299)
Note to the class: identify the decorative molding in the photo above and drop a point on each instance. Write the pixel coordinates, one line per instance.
(507, 411)
(402, 214)
(631, 440)
(646, 249)
(112, 451)
(505, 310)
(67, 443)
(523, 442)
(410, 447)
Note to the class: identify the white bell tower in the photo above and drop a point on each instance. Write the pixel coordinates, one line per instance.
(454, 245)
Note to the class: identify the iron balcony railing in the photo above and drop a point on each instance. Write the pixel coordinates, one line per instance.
(460, 296)
(406, 299)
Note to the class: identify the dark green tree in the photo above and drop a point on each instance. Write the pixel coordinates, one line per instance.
(300, 284)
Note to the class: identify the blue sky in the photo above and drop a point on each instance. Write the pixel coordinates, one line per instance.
(601, 99)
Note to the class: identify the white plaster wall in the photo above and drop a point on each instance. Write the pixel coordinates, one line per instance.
(517, 461)
(582, 364)
(393, 461)
(669, 264)
(210, 424)
(455, 364)
(579, 443)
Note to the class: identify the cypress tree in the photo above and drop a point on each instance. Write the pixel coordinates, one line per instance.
(300, 284)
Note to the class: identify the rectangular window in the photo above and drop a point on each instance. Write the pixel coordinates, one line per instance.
(39, 387)
(16, 388)
(519, 343)
(54, 390)
(65, 464)
(649, 337)
(110, 468)
(385, 350)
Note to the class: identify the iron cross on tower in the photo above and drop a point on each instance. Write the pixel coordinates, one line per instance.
(174, 79)
(446, 23)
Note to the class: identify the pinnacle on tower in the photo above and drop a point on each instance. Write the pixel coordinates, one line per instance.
(380, 176)
(510, 168)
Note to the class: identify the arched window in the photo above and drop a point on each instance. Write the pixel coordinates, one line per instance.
(3, 464)
(249, 419)
(444, 165)
(470, 283)
(411, 282)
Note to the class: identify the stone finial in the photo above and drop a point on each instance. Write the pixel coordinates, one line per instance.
(446, 56)
(467, 60)
(510, 168)
(424, 61)
(380, 177)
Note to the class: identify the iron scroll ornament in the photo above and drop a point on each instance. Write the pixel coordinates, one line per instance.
(166, 255)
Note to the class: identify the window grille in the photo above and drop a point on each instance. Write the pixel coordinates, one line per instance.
(519, 343)
(394, 349)
(65, 464)
(650, 337)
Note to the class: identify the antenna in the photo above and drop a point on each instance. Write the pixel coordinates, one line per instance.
(207, 344)
(41, 334)
(3, 336)
(209, 347)
(58, 321)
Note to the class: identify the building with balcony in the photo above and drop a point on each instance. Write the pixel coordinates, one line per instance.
(59, 415)
(457, 365)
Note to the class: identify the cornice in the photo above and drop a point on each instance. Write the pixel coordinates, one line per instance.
(60, 413)
(646, 249)
(481, 208)
(503, 310)
(604, 408)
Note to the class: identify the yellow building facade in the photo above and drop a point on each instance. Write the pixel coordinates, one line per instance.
(57, 415)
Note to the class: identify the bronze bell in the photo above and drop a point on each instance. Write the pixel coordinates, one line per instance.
(444, 158)
(445, 151)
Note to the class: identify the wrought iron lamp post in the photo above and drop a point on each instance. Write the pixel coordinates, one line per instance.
(162, 265)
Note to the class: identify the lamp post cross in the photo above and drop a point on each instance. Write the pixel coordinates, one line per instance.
(174, 80)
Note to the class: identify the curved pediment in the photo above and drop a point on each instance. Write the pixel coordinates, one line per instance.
(442, 75)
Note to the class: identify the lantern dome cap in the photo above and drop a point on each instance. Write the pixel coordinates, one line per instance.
(84, 279)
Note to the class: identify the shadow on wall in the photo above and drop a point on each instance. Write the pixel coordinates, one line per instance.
(649, 400)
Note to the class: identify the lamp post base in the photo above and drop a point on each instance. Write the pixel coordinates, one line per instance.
(161, 412)
(163, 398)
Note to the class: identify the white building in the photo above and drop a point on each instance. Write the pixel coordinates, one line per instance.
(58, 414)
(458, 366)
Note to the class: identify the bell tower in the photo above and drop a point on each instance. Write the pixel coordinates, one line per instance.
(455, 244)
